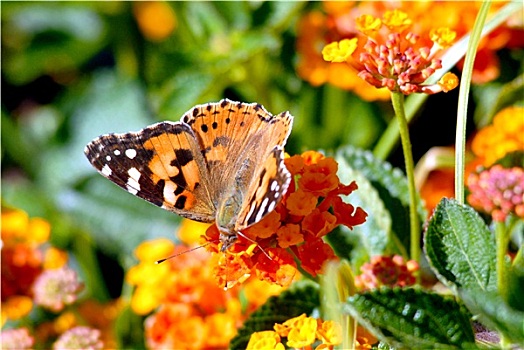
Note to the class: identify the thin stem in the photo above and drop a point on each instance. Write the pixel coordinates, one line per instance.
(462, 112)
(397, 100)
(501, 236)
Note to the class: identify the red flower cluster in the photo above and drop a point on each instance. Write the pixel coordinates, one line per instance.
(311, 209)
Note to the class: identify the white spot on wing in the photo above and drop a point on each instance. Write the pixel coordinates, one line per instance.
(169, 192)
(274, 185)
(251, 210)
(106, 170)
(130, 153)
(132, 185)
(116, 152)
(261, 210)
(271, 206)
(108, 158)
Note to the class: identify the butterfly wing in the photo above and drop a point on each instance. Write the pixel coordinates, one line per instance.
(230, 132)
(238, 140)
(162, 164)
(265, 190)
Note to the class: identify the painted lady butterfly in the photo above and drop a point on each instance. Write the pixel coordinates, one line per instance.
(222, 162)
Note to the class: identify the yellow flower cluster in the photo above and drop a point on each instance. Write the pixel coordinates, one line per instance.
(301, 332)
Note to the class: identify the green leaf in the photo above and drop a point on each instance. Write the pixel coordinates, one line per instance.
(412, 318)
(301, 297)
(460, 248)
(495, 313)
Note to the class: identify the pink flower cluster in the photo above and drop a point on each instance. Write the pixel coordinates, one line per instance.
(498, 191)
(390, 271)
(16, 339)
(396, 67)
(54, 289)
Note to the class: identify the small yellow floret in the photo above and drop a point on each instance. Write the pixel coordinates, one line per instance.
(339, 51)
(368, 24)
(303, 333)
(448, 82)
(396, 20)
(265, 340)
(443, 37)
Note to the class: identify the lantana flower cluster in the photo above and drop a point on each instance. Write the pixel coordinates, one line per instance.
(504, 135)
(294, 231)
(498, 191)
(35, 274)
(391, 271)
(31, 272)
(186, 307)
(301, 333)
(394, 57)
(335, 21)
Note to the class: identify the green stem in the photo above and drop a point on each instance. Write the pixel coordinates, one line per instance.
(462, 112)
(502, 239)
(502, 235)
(397, 100)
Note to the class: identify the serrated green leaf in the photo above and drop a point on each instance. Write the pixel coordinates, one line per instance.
(460, 248)
(301, 297)
(495, 313)
(413, 318)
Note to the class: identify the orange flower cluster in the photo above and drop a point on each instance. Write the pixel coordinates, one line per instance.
(189, 309)
(505, 135)
(311, 208)
(301, 332)
(337, 21)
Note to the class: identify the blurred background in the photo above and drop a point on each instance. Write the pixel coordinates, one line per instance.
(74, 70)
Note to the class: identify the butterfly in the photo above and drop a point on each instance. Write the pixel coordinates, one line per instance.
(222, 162)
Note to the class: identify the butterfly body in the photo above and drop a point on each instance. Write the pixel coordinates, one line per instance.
(222, 162)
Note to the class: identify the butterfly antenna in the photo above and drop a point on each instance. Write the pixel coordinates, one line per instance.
(258, 245)
(184, 252)
(225, 286)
